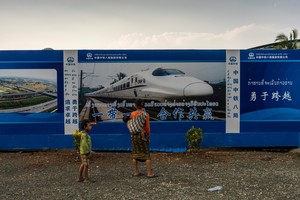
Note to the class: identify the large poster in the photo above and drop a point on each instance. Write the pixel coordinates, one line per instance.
(172, 90)
(44, 95)
(270, 87)
(31, 101)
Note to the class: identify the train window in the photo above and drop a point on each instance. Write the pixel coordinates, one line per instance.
(166, 72)
(127, 84)
(135, 79)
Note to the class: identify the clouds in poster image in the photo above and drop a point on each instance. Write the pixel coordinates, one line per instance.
(103, 74)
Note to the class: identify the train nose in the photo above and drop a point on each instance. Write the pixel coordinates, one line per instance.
(197, 89)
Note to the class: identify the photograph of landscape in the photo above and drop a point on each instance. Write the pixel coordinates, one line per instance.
(28, 90)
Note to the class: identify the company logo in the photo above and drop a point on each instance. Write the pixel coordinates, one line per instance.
(89, 56)
(251, 55)
(232, 59)
(70, 59)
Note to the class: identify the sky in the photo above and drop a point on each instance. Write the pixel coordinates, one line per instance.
(47, 74)
(144, 24)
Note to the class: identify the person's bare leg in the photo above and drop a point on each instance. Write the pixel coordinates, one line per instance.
(80, 178)
(135, 167)
(86, 173)
(149, 169)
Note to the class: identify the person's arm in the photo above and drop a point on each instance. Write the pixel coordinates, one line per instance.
(83, 144)
(147, 126)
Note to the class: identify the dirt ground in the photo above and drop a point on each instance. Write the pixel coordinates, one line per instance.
(242, 173)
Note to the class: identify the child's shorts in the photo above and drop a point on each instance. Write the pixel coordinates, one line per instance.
(85, 159)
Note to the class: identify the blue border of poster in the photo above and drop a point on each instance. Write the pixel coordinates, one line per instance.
(33, 130)
(269, 96)
(269, 102)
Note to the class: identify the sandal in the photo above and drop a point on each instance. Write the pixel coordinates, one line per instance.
(137, 175)
(152, 176)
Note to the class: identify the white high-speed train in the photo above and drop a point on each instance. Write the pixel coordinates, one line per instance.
(156, 84)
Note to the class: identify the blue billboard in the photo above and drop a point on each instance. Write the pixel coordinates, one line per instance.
(239, 98)
(31, 105)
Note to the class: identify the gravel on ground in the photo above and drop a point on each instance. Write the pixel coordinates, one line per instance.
(242, 174)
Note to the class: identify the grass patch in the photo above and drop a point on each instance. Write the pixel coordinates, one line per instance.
(24, 102)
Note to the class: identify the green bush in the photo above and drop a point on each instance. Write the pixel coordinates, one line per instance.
(194, 137)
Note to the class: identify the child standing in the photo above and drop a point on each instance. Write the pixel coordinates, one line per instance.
(85, 151)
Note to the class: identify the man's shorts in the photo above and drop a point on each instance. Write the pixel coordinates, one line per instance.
(85, 159)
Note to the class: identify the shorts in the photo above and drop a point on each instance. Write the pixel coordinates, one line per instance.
(85, 160)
